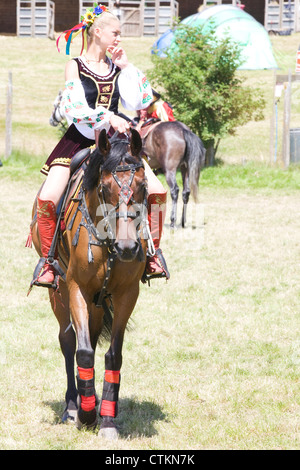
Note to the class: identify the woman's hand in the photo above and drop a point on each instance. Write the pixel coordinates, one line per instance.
(119, 124)
(118, 56)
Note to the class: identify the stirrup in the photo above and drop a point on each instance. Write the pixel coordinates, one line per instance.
(163, 265)
(38, 271)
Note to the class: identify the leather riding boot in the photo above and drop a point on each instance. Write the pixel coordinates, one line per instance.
(156, 265)
(46, 220)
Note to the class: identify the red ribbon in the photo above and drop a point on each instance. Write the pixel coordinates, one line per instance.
(69, 31)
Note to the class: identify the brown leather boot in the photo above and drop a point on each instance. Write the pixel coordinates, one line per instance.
(156, 265)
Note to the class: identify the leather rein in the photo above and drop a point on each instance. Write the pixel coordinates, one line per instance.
(107, 236)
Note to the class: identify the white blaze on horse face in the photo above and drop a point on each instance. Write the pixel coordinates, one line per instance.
(126, 228)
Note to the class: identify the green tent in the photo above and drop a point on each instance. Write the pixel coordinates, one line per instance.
(239, 26)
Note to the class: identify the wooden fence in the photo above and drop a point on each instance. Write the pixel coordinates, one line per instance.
(8, 120)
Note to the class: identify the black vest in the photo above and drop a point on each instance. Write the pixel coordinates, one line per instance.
(100, 91)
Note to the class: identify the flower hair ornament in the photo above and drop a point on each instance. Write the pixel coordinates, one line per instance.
(86, 21)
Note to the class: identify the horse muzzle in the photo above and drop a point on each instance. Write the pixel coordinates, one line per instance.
(127, 250)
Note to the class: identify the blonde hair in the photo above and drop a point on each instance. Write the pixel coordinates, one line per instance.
(100, 22)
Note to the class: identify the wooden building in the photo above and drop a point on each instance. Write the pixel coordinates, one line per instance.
(275, 15)
(256, 8)
(282, 16)
(138, 17)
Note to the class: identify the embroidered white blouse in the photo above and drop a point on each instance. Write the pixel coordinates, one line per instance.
(135, 94)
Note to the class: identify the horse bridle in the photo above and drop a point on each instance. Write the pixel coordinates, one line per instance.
(125, 196)
(95, 238)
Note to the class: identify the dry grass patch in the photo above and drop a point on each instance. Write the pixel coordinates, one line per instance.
(213, 358)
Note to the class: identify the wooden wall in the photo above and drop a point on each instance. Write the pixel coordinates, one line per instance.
(256, 8)
(67, 12)
(8, 15)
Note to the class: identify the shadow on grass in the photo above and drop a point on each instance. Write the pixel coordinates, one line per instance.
(135, 418)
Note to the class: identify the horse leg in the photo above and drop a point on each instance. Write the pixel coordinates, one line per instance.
(185, 193)
(87, 415)
(123, 307)
(60, 306)
(174, 189)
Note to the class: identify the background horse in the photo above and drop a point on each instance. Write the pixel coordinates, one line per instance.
(104, 256)
(172, 145)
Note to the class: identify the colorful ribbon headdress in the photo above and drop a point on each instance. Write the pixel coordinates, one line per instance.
(86, 21)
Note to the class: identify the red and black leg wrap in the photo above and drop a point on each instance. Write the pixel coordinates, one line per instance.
(86, 388)
(110, 395)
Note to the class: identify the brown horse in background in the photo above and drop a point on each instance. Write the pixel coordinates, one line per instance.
(103, 254)
(172, 145)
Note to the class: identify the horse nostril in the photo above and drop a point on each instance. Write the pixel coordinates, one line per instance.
(127, 251)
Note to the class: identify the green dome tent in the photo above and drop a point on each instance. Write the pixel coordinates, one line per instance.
(239, 26)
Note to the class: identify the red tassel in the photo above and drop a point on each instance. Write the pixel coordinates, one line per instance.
(29, 240)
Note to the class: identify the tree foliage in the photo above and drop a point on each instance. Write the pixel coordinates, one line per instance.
(199, 78)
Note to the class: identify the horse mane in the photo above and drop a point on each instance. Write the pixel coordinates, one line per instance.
(118, 154)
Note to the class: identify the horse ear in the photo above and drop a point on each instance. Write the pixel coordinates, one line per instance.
(103, 143)
(136, 143)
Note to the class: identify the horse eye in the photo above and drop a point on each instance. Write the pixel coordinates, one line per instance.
(141, 187)
(105, 188)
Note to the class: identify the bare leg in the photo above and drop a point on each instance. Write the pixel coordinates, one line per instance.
(55, 184)
(154, 185)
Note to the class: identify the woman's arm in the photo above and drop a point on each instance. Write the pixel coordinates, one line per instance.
(135, 90)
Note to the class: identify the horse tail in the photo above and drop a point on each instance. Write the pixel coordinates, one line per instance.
(195, 159)
(108, 320)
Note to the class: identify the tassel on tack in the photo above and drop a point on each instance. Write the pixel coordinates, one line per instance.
(70, 226)
(29, 240)
(76, 237)
(90, 255)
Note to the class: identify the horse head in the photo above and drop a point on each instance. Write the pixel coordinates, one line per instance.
(122, 191)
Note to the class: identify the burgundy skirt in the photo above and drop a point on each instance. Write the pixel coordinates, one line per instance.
(66, 148)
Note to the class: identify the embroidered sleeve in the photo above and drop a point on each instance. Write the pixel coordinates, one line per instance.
(77, 111)
(135, 90)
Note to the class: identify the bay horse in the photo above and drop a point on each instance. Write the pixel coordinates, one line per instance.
(103, 254)
(172, 145)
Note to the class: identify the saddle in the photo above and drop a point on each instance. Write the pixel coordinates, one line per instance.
(148, 126)
(77, 167)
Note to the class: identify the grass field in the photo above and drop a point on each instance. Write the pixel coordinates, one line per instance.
(212, 359)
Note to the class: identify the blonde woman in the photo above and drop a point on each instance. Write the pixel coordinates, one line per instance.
(94, 85)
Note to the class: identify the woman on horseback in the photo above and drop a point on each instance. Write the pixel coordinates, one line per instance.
(94, 85)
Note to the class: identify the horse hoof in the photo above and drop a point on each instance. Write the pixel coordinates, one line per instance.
(69, 416)
(110, 434)
(87, 420)
(81, 425)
